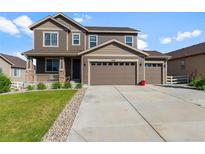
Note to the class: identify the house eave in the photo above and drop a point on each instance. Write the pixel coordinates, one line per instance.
(31, 27)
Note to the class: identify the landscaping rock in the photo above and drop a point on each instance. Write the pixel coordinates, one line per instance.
(61, 127)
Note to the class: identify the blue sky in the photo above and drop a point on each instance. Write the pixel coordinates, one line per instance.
(160, 31)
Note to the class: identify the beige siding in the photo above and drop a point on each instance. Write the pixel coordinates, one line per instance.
(6, 67)
(38, 42)
(18, 79)
(74, 29)
(106, 37)
(50, 25)
(194, 66)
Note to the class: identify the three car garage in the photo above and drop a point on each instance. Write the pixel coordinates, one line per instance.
(114, 63)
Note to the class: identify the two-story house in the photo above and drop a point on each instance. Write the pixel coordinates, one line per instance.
(66, 50)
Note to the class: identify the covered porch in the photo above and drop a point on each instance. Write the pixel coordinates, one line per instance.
(55, 68)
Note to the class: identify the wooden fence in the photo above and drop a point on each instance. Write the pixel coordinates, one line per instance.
(180, 79)
(17, 85)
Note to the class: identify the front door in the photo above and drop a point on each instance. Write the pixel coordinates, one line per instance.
(76, 69)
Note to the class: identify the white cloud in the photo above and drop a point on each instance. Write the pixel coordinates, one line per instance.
(166, 40)
(78, 19)
(184, 35)
(141, 44)
(180, 36)
(81, 17)
(143, 36)
(8, 26)
(23, 22)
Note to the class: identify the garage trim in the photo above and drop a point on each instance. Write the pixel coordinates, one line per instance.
(112, 60)
(155, 62)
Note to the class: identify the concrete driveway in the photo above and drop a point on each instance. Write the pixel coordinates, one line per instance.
(132, 113)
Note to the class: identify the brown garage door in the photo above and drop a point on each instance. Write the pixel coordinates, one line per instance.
(112, 73)
(153, 73)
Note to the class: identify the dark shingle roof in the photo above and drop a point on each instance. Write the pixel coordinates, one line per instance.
(188, 51)
(16, 61)
(154, 53)
(123, 29)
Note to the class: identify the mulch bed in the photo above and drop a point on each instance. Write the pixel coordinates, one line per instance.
(60, 130)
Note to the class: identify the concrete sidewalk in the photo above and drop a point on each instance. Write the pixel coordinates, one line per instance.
(131, 113)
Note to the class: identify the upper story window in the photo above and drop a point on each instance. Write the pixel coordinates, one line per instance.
(52, 65)
(16, 72)
(92, 40)
(50, 39)
(76, 39)
(129, 40)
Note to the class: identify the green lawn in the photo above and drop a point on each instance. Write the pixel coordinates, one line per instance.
(28, 116)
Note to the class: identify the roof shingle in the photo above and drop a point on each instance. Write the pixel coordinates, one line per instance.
(16, 61)
(99, 28)
(154, 53)
(188, 51)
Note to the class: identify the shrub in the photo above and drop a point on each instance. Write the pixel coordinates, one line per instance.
(198, 83)
(78, 86)
(30, 87)
(41, 86)
(67, 85)
(5, 83)
(203, 87)
(56, 85)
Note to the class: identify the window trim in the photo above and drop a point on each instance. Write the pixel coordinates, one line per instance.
(46, 65)
(73, 39)
(89, 40)
(126, 37)
(52, 32)
(19, 73)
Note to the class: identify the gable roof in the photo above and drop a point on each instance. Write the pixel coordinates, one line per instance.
(70, 19)
(16, 62)
(188, 51)
(4, 58)
(45, 19)
(109, 42)
(97, 29)
(111, 29)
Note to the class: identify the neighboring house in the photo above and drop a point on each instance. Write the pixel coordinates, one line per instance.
(66, 50)
(188, 61)
(13, 67)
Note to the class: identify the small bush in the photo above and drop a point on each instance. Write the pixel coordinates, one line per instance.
(203, 87)
(30, 87)
(67, 85)
(56, 85)
(5, 83)
(41, 86)
(198, 83)
(78, 86)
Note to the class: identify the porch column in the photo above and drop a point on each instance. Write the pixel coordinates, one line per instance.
(30, 72)
(62, 75)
